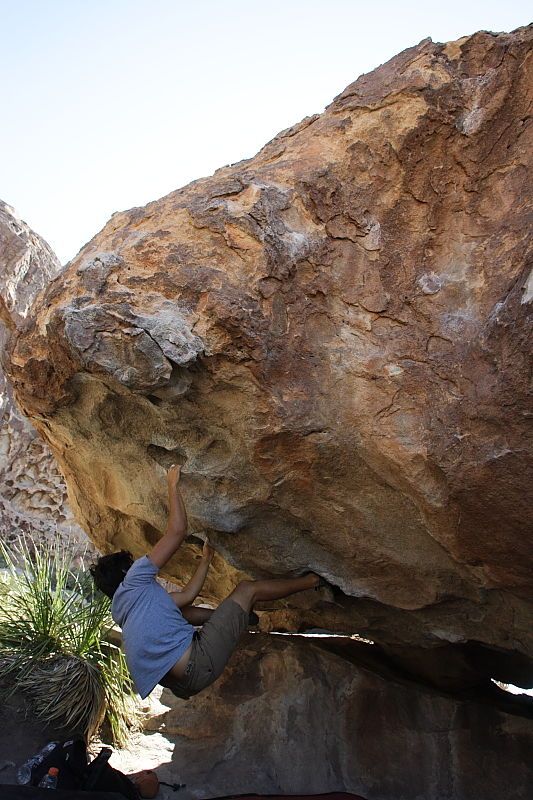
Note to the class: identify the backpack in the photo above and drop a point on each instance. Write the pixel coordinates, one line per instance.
(75, 771)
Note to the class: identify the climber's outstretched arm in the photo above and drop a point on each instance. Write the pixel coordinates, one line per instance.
(176, 530)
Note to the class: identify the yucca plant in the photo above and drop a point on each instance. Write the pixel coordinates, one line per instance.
(53, 645)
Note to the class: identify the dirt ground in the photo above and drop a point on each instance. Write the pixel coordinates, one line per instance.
(21, 736)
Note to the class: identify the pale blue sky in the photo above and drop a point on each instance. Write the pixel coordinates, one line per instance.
(108, 104)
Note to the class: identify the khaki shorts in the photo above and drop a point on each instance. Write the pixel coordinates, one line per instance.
(212, 647)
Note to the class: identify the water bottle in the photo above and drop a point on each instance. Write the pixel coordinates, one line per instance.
(25, 771)
(49, 781)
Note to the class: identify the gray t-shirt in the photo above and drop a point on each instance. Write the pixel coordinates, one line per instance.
(154, 632)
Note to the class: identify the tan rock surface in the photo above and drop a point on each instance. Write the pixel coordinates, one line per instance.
(331, 337)
(290, 718)
(33, 496)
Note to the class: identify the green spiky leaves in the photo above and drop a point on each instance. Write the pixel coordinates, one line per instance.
(54, 643)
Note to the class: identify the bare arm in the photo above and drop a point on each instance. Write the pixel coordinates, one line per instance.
(191, 591)
(176, 529)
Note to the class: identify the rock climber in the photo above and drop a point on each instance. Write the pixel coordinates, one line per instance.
(160, 641)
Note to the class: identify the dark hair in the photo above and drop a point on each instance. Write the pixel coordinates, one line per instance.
(109, 571)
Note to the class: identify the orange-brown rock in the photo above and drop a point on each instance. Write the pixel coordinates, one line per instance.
(331, 337)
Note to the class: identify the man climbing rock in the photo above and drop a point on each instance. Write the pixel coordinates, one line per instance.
(160, 641)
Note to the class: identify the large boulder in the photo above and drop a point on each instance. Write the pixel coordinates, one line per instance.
(331, 337)
(288, 717)
(33, 497)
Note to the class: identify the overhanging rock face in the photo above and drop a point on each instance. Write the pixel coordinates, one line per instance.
(331, 337)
